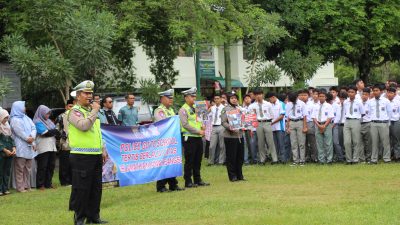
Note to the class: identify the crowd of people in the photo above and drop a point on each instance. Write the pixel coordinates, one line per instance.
(351, 124)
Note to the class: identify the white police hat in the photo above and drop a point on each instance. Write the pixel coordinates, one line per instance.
(85, 86)
(73, 94)
(192, 91)
(168, 93)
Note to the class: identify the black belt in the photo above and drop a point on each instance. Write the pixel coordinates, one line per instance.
(341, 124)
(296, 120)
(322, 123)
(380, 121)
(264, 121)
(364, 122)
(352, 118)
(216, 125)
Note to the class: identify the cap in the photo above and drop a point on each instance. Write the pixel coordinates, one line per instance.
(192, 91)
(85, 86)
(73, 94)
(168, 93)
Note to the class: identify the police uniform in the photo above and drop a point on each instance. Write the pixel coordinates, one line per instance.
(85, 141)
(162, 112)
(192, 143)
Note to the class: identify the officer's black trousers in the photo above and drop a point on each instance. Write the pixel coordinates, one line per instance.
(172, 182)
(45, 169)
(86, 185)
(234, 157)
(65, 173)
(193, 151)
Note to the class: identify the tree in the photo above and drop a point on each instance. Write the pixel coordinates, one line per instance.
(363, 32)
(5, 87)
(59, 43)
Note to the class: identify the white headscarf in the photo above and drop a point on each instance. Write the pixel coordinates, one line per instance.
(4, 128)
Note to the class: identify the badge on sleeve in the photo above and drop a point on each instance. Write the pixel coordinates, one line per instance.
(326, 113)
(161, 114)
(382, 108)
(355, 110)
(77, 113)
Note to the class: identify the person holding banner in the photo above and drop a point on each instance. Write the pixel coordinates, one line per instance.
(234, 140)
(192, 132)
(85, 141)
(164, 111)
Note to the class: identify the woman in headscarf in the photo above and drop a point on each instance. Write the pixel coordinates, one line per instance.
(24, 133)
(233, 138)
(45, 147)
(7, 151)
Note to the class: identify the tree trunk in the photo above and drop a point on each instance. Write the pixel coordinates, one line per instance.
(228, 76)
(364, 69)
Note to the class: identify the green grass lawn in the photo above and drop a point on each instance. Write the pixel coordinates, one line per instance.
(314, 194)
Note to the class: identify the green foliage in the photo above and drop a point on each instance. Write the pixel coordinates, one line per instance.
(365, 33)
(149, 91)
(263, 75)
(5, 87)
(298, 67)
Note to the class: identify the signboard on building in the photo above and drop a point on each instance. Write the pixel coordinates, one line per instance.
(207, 68)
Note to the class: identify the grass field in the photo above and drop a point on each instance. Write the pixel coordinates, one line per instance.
(314, 194)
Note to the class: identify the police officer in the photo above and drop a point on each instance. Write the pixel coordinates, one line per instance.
(164, 111)
(192, 131)
(85, 141)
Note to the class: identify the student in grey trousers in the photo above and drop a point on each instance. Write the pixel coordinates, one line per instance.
(365, 147)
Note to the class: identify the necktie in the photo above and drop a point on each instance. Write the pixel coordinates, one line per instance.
(260, 109)
(294, 110)
(377, 108)
(351, 107)
(216, 116)
(320, 113)
(341, 114)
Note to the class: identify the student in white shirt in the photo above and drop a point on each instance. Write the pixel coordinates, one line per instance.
(297, 128)
(334, 92)
(365, 148)
(337, 128)
(250, 154)
(394, 122)
(217, 133)
(263, 109)
(278, 126)
(323, 129)
(353, 109)
(311, 144)
(380, 109)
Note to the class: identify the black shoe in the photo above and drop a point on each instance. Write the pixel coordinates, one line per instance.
(348, 163)
(96, 221)
(190, 185)
(202, 183)
(176, 188)
(387, 162)
(80, 221)
(372, 162)
(234, 179)
(273, 163)
(242, 179)
(162, 190)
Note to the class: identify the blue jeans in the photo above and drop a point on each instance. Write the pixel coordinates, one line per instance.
(251, 152)
(279, 140)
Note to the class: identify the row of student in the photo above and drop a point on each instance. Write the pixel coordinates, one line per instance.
(326, 127)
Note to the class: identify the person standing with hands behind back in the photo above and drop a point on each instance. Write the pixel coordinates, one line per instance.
(7, 151)
(192, 131)
(86, 159)
(234, 142)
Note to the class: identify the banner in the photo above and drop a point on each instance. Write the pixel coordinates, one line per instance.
(146, 153)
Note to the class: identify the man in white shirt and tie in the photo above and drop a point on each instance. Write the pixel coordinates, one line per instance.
(365, 148)
(380, 109)
(353, 109)
(322, 117)
(217, 136)
(394, 122)
(263, 109)
(337, 127)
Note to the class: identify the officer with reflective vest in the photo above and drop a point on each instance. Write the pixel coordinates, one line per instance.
(86, 160)
(192, 131)
(164, 111)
